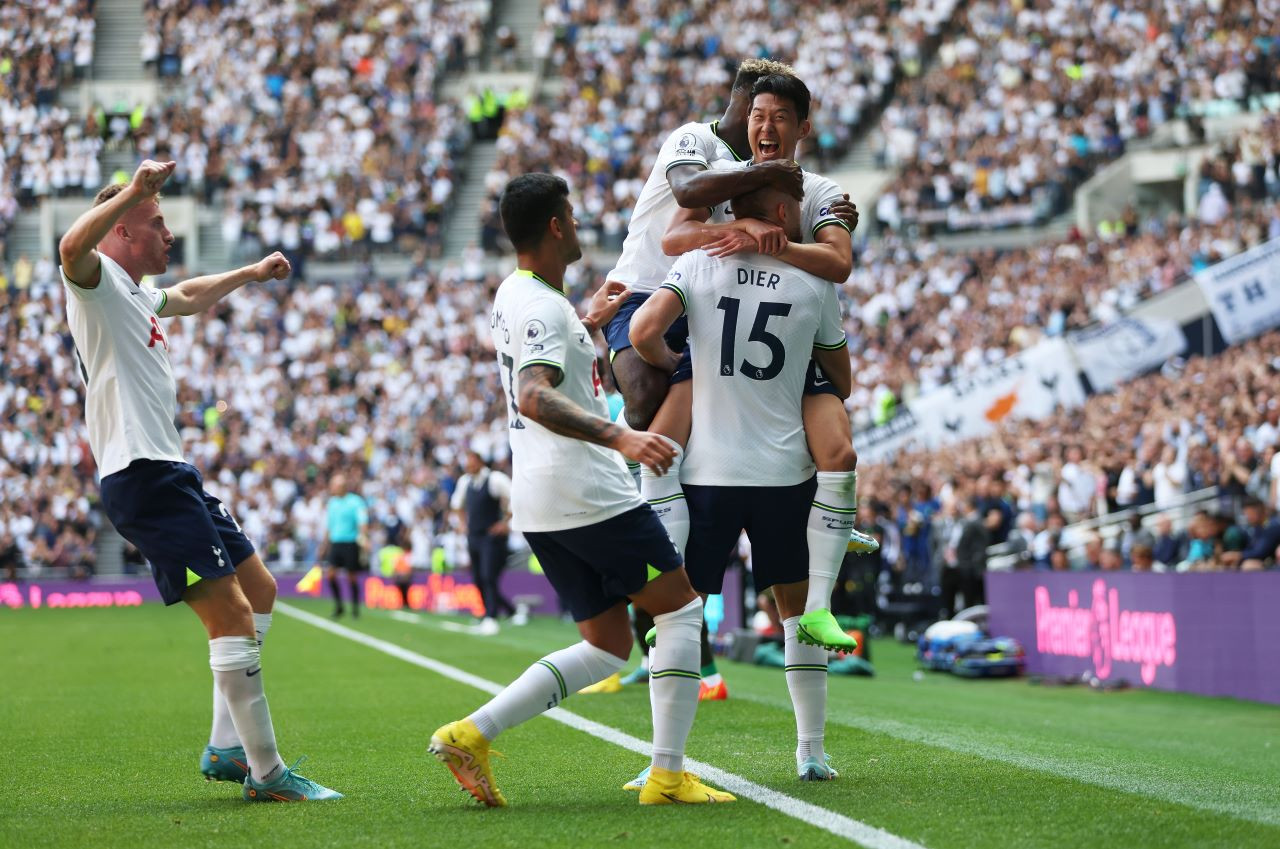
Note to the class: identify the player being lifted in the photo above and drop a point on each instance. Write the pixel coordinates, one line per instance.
(777, 121)
(572, 497)
(756, 322)
(682, 176)
(155, 499)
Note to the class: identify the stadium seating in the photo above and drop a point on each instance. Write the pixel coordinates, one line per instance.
(43, 152)
(631, 75)
(1027, 100)
(321, 124)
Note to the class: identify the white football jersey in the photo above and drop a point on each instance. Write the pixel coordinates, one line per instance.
(557, 482)
(753, 324)
(130, 394)
(815, 208)
(643, 265)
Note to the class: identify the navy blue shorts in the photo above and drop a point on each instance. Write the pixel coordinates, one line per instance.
(816, 383)
(776, 519)
(184, 532)
(618, 331)
(596, 567)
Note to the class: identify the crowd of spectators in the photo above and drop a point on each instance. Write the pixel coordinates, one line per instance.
(316, 125)
(1027, 99)
(43, 152)
(279, 388)
(1198, 424)
(920, 317)
(631, 72)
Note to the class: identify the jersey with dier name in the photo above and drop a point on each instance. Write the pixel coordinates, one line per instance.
(557, 482)
(820, 194)
(643, 265)
(130, 394)
(753, 324)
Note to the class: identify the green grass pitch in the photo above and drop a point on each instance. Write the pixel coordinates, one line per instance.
(104, 714)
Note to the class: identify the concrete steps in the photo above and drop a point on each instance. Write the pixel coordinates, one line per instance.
(117, 54)
(23, 237)
(469, 200)
(524, 17)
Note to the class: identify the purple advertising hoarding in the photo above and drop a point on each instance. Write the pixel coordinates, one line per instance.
(451, 593)
(1216, 634)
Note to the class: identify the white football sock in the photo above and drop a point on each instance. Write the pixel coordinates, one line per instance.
(806, 670)
(673, 682)
(830, 521)
(667, 498)
(237, 671)
(544, 685)
(223, 733)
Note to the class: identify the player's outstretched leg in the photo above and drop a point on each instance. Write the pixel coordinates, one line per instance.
(673, 685)
(235, 659)
(830, 522)
(463, 746)
(806, 671)
(224, 758)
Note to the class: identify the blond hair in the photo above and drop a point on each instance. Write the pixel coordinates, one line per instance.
(753, 69)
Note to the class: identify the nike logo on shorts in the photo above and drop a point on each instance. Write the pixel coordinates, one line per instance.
(252, 672)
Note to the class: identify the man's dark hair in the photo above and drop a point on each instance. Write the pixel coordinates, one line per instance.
(528, 203)
(785, 88)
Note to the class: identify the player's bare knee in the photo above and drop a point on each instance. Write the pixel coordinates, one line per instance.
(790, 598)
(643, 386)
(258, 584)
(607, 637)
(837, 457)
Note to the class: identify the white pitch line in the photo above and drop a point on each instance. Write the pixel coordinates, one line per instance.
(810, 814)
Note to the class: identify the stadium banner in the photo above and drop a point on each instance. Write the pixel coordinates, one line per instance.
(1244, 292)
(1030, 384)
(435, 593)
(879, 443)
(1110, 354)
(1215, 634)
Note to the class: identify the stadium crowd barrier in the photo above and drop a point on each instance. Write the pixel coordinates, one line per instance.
(1215, 634)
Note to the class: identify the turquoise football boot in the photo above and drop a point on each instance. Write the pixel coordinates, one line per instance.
(288, 787)
(224, 764)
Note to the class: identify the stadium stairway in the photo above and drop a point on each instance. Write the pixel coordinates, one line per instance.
(23, 237)
(524, 17)
(117, 54)
(469, 199)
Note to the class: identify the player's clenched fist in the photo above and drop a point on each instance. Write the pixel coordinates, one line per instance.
(150, 176)
(274, 267)
(646, 448)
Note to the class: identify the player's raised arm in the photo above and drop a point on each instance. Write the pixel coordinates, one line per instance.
(77, 249)
(541, 402)
(703, 188)
(199, 293)
(689, 231)
(651, 322)
(830, 257)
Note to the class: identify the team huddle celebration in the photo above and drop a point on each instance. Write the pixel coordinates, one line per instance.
(552, 334)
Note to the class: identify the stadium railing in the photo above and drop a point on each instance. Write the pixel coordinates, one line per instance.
(1002, 557)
